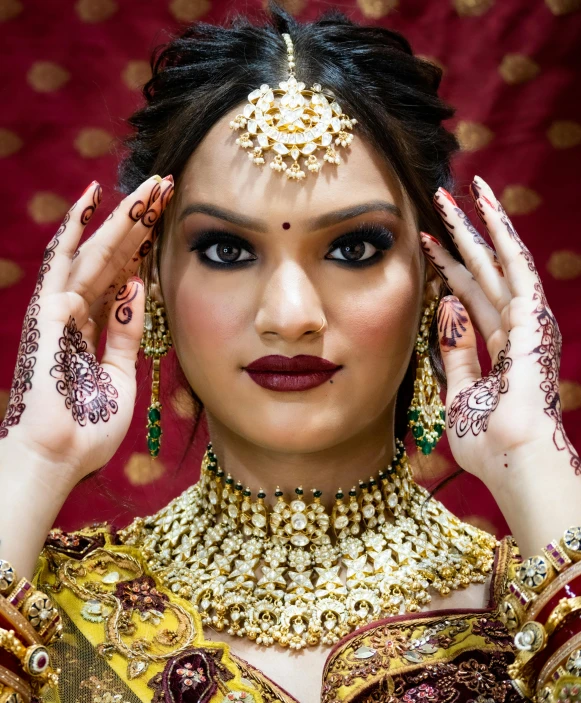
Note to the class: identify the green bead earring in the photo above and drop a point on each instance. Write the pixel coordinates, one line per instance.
(155, 343)
(426, 414)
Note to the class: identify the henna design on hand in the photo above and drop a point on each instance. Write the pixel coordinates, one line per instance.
(436, 266)
(87, 387)
(142, 211)
(476, 236)
(125, 295)
(471, 409)
(549, 351)
(28, 346)
(452, 320)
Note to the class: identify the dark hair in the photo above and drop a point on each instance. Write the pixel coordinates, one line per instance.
(208, 70)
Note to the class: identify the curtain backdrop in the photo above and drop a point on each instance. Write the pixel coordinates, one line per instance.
(70, 76)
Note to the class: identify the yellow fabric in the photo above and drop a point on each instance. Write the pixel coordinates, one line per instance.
(77, 586)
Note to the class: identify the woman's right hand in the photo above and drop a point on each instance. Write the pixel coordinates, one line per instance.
(66, 407)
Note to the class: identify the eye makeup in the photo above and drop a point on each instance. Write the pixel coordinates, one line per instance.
(228, 247)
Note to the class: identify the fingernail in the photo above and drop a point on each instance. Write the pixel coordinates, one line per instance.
(484, 190)
(448, 196)
(92, 184)
(168, 178)
(429, 236)
(157, 178)
(136, 279)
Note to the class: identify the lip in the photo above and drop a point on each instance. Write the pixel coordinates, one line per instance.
(297, 373)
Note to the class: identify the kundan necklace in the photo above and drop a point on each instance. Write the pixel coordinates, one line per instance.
(291, 573)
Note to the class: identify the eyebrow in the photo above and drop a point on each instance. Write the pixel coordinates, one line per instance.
(326, 220)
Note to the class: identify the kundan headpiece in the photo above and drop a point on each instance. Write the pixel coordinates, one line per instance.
(293, 121)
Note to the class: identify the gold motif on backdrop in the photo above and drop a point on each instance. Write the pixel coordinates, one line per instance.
(563, 7)
(46, 76)
(189, 10)
(472, 8)
(520, 200)
(93, 11)
(273, 573)
(10, 143)
(518, 68)
(564, 134)
(45, 208)
(139, 622)
(9, 9)
(376, 9)
(570, 394)
(142, 469)
(473, 135)
(564, 265)
(10, 273)
(93, 142)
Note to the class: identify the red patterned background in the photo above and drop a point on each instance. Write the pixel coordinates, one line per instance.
(70, 75)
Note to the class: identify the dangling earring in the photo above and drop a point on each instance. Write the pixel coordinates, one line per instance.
(155, 342)
(426, 414)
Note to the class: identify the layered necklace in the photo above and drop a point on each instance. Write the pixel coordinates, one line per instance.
(294, 574)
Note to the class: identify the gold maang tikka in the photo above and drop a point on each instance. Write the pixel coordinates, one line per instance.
(155, 343)
(292, 122)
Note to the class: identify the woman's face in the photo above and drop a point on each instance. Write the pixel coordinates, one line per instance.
(258, 271)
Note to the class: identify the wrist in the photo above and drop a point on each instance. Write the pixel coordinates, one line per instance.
(538, 494)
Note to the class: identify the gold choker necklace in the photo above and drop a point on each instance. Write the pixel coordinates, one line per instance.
(294, 575)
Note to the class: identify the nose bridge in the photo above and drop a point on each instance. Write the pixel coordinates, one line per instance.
(290, 303)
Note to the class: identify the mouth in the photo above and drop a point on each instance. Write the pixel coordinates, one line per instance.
(297, 373)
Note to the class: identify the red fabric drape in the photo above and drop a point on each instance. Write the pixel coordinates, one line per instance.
(70, 73)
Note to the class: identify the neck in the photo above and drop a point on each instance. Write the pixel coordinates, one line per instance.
(341, 465)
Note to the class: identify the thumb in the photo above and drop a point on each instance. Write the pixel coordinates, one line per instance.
(125, 327)
(457, 344)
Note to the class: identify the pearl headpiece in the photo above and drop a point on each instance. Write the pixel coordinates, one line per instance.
(292, 122)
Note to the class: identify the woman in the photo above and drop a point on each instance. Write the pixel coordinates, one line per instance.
(300, 306)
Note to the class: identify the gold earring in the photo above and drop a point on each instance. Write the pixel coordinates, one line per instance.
(155, 342)
(426, 414)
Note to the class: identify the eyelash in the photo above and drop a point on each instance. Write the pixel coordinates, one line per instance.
(372, 233)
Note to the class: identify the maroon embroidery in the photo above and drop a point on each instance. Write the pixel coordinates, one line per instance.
(140, 594)
(73, 544)
(191, 677)
(424, 693)
(493, 632)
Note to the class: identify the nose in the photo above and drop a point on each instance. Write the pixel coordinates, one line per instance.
(290, 305)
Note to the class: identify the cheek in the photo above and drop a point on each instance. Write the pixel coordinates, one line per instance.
(208, 321)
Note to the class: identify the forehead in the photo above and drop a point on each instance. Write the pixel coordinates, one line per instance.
(220, 172)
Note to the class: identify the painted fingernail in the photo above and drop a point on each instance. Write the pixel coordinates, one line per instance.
(92, 184)
(136, 279)
(484, 190)
(429, 236)
(169, 177)
(447, 195)
(157, 178)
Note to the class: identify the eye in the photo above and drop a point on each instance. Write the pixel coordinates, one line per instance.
(226, 253)
(363, 246)
(222, 249)
(358, 251)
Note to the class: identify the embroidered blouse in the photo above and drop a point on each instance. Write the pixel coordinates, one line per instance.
(128, 639)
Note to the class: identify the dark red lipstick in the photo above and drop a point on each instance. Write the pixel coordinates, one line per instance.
(297, 373)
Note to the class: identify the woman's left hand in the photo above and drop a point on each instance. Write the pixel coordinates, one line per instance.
(507, 424)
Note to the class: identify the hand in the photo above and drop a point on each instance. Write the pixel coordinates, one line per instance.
(65, 406)
(509, 420)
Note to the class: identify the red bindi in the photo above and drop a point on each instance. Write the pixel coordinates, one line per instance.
(286, 225)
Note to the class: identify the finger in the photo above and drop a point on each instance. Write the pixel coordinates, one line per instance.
(479, 257)
(124, 330)
(516, 259)
(461, 282)
(457, 344)
(103, 256)
(100, 308)
(56, 264)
